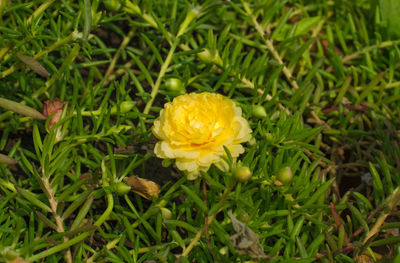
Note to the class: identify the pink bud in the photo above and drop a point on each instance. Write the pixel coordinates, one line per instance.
(53, 106)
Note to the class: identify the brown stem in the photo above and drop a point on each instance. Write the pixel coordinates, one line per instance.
(271, 47)
(206, 221)
(57, 218)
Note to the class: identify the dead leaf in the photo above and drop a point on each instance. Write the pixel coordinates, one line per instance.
(336, 216)
(33, 64)
(364, 259)
(367, 257)
(245, 241)
(143, 187)
(7, 160)
(392, 202)
(124, 150)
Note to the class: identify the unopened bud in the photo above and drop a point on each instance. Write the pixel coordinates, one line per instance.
(121, 188)
(166, 213)
(269, 137)
(285, 175)
(252, 141)
(242, 173)
(124, 107)
(258, 111)
(175, 84)
(224, 250)
(54, 106)
(207, 57)
(112, 5)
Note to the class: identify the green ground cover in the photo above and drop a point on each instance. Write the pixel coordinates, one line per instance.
(317, 81)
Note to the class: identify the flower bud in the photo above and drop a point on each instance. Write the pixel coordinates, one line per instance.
(53, 106)
(245, 217)
(162, 203)
(124, 107)
(175, 84)
(224, 250)
(242, 173)
(112, 5)
(269, 137)
(252, 141)
(258, 111)
(285, 175)
(121, 188)
(166, 213)
(207, 57)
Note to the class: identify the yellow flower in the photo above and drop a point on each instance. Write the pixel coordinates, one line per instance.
(193, 129)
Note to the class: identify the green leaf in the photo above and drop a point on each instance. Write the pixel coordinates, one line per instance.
(390, 14)
(195, 198)
(32, 198)
(88, 18)
(21, 109)
(321, 190)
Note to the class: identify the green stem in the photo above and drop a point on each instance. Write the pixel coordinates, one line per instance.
(60, 247)
(113, 62)
(110, 200)
(110, 205)
(164, 68)
(194, 241)
(350, 57)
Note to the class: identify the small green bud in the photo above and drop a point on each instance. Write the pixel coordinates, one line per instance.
(275, 115)
(166, 213)
(242, 173)
(224, 250)
(285, 175)
(112, 5)
(269, 137)
(175, 84)
(245, 217)
(207, 57)
(121, 188)
(162, 203)
(252, 141)
(258, 111)
(124, 107)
